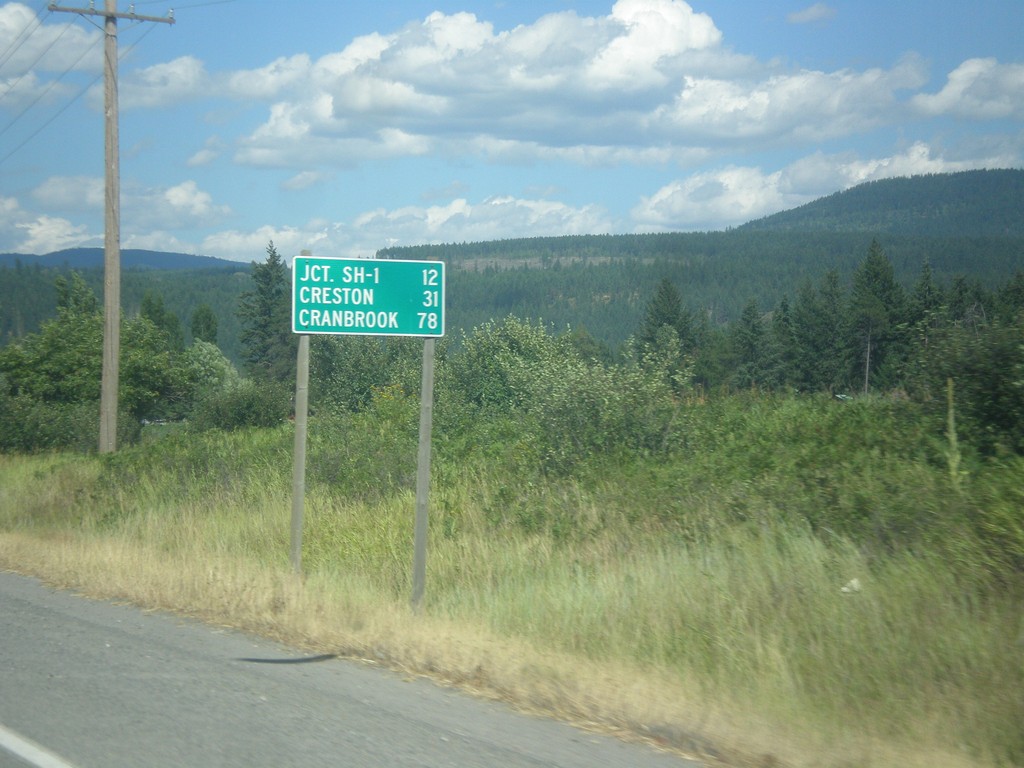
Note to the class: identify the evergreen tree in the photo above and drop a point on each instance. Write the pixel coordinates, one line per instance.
(664, 308)
(747, 343)
(664, 313)
(877, 308)
(204, 324)
(968, 302)
(152, 308)
(819, 353)
(1010, 300)
(925, 310)
(832, 345)
(265, 313)
(781, 351)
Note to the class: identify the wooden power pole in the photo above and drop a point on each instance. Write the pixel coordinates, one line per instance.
(112, 219)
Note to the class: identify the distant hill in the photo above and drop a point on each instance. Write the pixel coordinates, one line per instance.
(964, 225)
(971, 203)
(131, 258)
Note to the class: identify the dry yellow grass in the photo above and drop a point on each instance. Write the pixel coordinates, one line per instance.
(343, 617)
(221, 556)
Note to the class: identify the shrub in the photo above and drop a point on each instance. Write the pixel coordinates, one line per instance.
(30, 426)
(987, 367)
(247, 403)
(347, 371)
(587, 409)
(495, 366)
(998, 514)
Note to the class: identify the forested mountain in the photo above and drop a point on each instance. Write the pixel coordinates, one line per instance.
(131, 258)
(965, 226)
(979, 203)
(602, 283)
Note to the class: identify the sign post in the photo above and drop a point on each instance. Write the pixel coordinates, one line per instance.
(419, 558)
(370, 297)
(299, 459)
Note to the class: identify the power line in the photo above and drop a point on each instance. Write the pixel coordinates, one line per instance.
(31, 66)
(47, 89)
(57, 114)
(183, 7)
(70, 101)
(21, 38)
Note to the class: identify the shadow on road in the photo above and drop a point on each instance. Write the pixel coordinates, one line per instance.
(303, 660)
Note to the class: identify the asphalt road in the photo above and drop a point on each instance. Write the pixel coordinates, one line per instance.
(87, 683)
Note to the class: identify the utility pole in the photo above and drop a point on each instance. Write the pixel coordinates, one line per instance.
(112, 219)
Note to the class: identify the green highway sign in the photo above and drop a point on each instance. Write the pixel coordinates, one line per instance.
(371, 297)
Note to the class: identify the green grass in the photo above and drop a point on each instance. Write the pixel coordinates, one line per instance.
(717, 569)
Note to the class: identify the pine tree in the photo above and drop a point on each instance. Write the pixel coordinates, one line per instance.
(152, 308)
(204, 324)
(780, 358)
(877, 309)
(819, 351)
(968, 302)
(925, 306)
(747, 343)
(265, 313)
(1010, 299)
(666, 308)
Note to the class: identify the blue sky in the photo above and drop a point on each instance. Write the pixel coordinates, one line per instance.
(343, 127)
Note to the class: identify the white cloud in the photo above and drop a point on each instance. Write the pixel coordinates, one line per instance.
(650, 80)
(914, 161)
(11, 215)
(806, 105)
(811, 14)
(157, 240)
(204, 156)
(38, 47)
(456, 221)
(980, 89)
(734, 195)
(27, 232)
(251, 246)
(71, 193)
(186, 200)
(440, 40)
(21, 91)
(653, 30)
(181, 205)
(306, 179)
(711, 200)
(362, 95)
(581, 85)
(266, 82)
(361, 51)
(162, 85)
(492, 219)
(51, 233)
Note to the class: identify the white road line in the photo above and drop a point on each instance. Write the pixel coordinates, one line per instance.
(29, 751)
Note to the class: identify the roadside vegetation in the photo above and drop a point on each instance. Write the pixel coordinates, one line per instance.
(751, 548)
